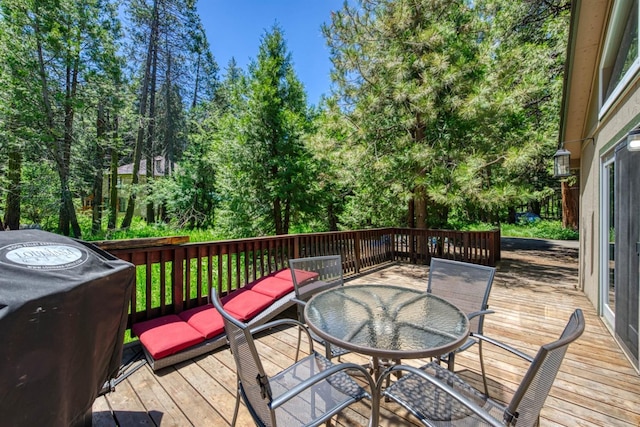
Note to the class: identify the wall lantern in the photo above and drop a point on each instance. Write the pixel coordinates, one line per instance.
(633, 140)
(561, 163)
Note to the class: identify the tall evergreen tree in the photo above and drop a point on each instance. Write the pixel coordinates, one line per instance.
(176, 65)
(63, 43)
(450, 105)
(265, 163)
(406, 72)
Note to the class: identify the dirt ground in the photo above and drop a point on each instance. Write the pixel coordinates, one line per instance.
(538, 262)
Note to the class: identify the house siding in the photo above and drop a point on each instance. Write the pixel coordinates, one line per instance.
(611, 130)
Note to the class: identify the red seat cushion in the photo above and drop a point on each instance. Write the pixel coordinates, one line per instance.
(166, 335)
(302, 276)
(244, 304)
(272, 286)
(205, 319)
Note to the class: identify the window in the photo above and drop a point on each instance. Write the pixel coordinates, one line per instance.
(620, 60)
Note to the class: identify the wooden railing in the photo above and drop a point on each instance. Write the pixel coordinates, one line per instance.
(173, 275)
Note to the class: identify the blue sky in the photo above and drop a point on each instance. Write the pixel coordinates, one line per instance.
(235, 28)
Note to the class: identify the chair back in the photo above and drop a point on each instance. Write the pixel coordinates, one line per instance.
(253, 382)
(314, 274)
(527, 402)
(463, 284)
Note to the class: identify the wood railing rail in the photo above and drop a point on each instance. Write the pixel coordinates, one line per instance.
(173, 275)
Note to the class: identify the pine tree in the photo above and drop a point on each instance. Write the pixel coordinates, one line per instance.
(264, 165)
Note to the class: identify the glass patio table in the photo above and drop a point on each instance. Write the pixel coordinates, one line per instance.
(387, 322)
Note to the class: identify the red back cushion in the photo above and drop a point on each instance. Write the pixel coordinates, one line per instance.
(244, 304)
(205, 319)
(166, 335)
(272, 286)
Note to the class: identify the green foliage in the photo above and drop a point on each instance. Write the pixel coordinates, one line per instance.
(540, 229)
(140, 229)
(445, 106)
(265, 169)
(40, 188)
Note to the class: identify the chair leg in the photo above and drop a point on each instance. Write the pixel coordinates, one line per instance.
(484, 376)
(235, 411)
(451, 361)
(300, 319)
(298, 346)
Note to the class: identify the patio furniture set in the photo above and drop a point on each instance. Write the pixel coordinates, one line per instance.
(386, 322)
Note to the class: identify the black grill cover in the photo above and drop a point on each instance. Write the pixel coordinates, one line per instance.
(63, 312)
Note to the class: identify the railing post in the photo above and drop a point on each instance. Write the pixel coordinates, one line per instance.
(393, 244)
(296, 246)
(465, 244)
(177, 279)
(356, 243)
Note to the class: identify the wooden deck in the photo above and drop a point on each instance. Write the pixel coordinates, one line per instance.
(533, 295)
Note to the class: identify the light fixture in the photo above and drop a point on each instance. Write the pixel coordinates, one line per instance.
(561, 163)
(633, 140)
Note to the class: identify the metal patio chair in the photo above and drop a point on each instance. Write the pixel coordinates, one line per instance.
(312, 275)
(309, 392)
(438, 397)
(467, 286)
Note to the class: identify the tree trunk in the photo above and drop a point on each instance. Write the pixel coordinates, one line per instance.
(511, 215)
(68, 217)
(569, 207)
(411, 214)
(287, 217)
(12, 210)
(113, 187)
(420, 200)
(169, 134)
(332, 218)
(197, 83)
(420, 193)
(96, 223)
(277, 216)
(61, 151)
(149, 152)
(113, 190)
(142, 112)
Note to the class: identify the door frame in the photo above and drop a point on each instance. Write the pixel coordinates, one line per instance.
(606, 161)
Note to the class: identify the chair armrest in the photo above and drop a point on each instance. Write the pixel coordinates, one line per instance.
(479, 313)
(480, 412)
(280, 322)
(299, 301)
(321, 376)
(505, 347)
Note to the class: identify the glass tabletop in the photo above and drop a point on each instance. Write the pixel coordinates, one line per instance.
(387, 321)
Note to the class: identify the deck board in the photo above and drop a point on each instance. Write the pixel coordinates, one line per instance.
(596, 386)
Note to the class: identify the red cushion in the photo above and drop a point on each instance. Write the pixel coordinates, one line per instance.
(166, 335)
(272, 286)
(302, 276)
(244, 304)
(205, 319)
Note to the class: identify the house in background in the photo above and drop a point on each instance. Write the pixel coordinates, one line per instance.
(600, 111)
(125, 179)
